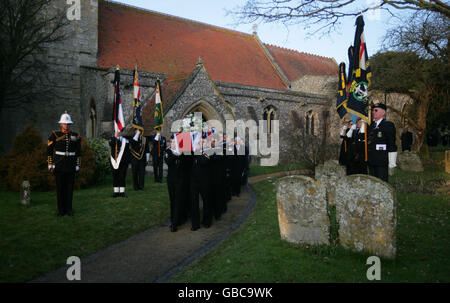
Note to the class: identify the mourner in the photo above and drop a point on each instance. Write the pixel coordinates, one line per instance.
(237, 167)
(140, 155)
(158, 150)
(119, 161)
(64, 159)
(381, 144)
(218, 171)
(175, 180)
(358, 163)
(346, 153)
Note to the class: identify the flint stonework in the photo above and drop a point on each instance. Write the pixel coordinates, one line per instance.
(329, 174)
(366, 215)
(302, 210)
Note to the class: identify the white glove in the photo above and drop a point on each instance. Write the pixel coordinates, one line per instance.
(353, 127)
(157, 137)
(50, 167)
(147, 157)
(392, 159)
(77, 168)
(136, 137)
(344, 128)
(362, 129)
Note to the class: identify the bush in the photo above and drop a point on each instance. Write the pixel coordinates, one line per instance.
(101, 151)
(27, 160)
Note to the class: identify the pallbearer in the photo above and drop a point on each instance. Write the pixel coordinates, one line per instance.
(158, 150)
(64, 159)
(217, 192)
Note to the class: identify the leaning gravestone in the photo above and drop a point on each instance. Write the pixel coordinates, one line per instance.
(25, 195)
(447, 161)
(329, 174)
(366, 215)
(302, 210)
(409, 161)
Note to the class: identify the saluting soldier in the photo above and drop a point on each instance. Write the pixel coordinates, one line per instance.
(119, 161)
(64, 159)
(140, 155)
(382, 148)
(158, 150)
(175, 182)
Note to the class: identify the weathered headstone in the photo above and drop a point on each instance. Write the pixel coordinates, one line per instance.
(366, 215)
(329, 174)
(447, 161)
(25, 193)
(302, 210)
(409, 161)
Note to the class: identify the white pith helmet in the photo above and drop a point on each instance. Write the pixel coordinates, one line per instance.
(65, 119)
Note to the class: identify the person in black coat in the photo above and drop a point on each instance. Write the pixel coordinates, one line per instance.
(407, 139)
(218, 175)
(346, 152)
(64, 159)
(140, 155)
(237, 167)
(382, 149)
(158, 150)
(119, 161)
(175, 180)
(200, 185)
(358, 162)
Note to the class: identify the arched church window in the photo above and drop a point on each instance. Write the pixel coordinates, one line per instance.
(269, 115)
(311, 123)
(91, 128)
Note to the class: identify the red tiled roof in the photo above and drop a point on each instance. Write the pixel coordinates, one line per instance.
(171, 45)
(295, 64)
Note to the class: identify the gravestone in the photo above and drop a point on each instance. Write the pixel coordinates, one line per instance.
(366, 215)
(409, 161)
(302, 210)
(25, 193)
(329, 174)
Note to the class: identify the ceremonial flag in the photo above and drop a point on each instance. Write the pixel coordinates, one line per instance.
(137, 114)
(342, 92)
(118, 120)
(350, 69)
(159, 121)
(357, 102)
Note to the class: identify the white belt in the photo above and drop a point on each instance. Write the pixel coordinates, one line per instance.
(64, 153)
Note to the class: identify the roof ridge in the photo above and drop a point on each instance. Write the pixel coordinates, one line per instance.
(173, 16)
(298, 52)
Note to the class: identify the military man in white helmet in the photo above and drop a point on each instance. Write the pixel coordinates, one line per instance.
(64, 159)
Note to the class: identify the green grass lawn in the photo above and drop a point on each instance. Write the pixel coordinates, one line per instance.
(256, 170)
(34, 240)
(256, 252)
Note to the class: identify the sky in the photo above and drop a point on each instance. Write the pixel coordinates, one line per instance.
(334, 45)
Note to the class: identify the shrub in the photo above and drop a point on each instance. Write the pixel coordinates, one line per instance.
(27, 160)
(101, 153)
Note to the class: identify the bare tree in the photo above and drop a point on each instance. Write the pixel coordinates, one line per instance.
(27, 28)
(325, 14)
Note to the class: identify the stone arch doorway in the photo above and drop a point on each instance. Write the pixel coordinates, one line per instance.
(91, 127)
(207, 110)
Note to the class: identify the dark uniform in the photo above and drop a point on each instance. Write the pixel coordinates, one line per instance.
(228, 159)
(175, 186)
(359, 164)
(237, 168)
(380, 141)
(346, 153)
(218, 175)
(139, 150)
(64, 152)
(119, 161)
(158, 149)
(200, 185)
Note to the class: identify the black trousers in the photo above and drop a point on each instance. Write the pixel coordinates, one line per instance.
(138, 171)
(175, 188)
(158, 168)
(64, 191)
(119, 176)
(200, 187)
(381, 172)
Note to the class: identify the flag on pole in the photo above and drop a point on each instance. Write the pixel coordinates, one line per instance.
(118, 120)
(137, 114)
(342, 92)
(350, 69)
(159, 119)
(357, 102)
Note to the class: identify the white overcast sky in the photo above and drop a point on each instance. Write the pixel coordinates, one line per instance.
(334, 45)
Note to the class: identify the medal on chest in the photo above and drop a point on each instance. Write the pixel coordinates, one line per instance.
(379, 134)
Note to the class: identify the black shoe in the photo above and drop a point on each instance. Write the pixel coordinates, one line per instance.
(194, 228)
(60, 214)
(173, 228)
(207, 225)
(70, 213)
(115, 195)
